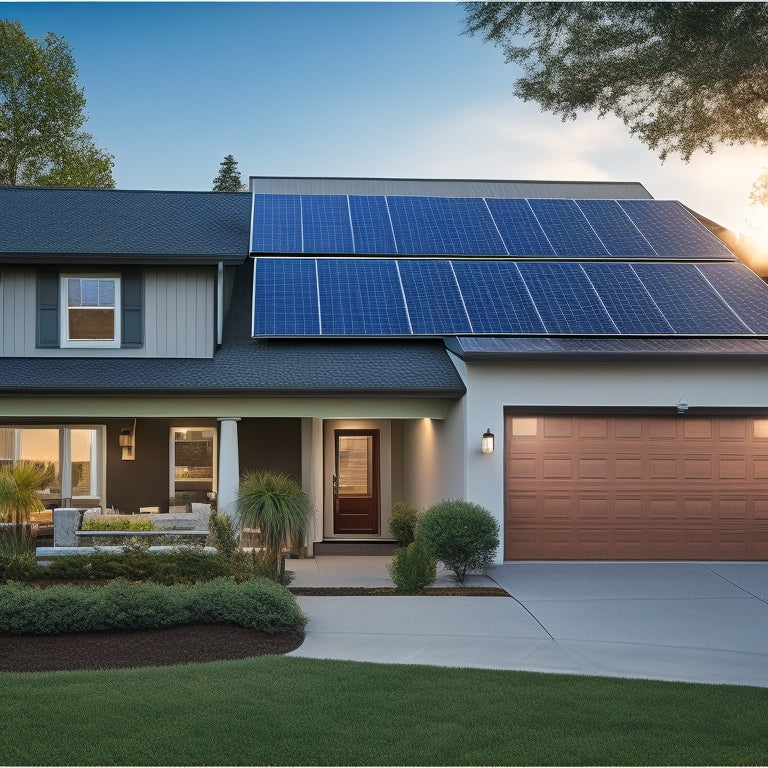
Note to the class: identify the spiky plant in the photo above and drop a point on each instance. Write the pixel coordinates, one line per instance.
(275, 504)
(18, 497)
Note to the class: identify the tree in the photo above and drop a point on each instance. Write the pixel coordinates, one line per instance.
(681, 76)
(228, 179)
(41, 116)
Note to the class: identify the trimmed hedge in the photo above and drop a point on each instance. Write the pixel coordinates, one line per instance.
(103, 523)
(62, 609)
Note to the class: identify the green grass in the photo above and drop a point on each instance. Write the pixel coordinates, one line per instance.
(292, 711)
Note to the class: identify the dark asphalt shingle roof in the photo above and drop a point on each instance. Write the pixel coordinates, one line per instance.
(149, 226)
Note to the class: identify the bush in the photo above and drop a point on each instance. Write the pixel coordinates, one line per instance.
(462, 535)
(402, 523)
(223, 535)
(18, 557)
(256, 604)
(106, 523)
(413, 568)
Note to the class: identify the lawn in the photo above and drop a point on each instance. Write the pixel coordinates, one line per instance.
(293, 711)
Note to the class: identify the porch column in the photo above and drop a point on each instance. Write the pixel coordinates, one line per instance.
(229, 466)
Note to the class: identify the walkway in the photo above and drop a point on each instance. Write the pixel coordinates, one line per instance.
(697, 622)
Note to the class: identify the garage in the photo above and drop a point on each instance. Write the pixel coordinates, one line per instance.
(635, 487)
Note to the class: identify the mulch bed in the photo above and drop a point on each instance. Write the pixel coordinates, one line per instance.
(139, 648)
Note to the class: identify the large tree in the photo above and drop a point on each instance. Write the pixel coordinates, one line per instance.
(42, 114)
(682, 76)
(228, 178)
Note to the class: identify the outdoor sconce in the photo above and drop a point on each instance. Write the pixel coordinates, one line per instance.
(127, 441)
(487, 444)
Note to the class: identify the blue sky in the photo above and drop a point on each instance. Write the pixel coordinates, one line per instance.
(340, 89)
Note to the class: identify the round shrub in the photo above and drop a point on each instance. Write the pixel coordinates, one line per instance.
(462, 535)
(402, 523)
(413, 568)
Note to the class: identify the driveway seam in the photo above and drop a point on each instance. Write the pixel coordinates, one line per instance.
(733, 583)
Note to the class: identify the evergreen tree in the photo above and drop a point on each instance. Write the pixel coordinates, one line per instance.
(228, 179)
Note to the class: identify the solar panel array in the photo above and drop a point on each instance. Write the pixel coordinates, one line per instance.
(442, 297)
(484, 227)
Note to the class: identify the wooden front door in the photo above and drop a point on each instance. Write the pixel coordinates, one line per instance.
(356, 481)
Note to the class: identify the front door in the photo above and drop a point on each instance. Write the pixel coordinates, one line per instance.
(356, 481)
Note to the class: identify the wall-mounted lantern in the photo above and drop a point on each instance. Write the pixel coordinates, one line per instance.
(487, 444)
(127, 441)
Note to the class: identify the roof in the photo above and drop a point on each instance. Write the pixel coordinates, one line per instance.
(244, 366)
(53, 225)
(310, 185)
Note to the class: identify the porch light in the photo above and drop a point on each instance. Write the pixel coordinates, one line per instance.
(487, 444)
(127, 442)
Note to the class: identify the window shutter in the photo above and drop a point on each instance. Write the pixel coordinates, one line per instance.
(48, 309)
(132, 291)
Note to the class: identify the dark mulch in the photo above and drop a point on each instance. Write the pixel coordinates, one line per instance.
(140, 648)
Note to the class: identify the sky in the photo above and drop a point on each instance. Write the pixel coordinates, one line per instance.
(342, 89)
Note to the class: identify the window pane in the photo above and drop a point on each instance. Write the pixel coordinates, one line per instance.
(84, 474)
(74, 295)
(194, 450)
(93, 324)
(355, 465)
(41, 447)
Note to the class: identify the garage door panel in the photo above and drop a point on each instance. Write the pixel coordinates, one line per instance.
(632, 487)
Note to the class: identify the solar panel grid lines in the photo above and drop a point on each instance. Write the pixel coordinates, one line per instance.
(673, 231)
(630, 306)
(565, 298)
(496, 227)
(432, 297)
(279, 229)
(687, 300)
(742, 290)
(405, 299)
(372, 226)
(463, 301)
(599, 298)
(567, 229)
(618, 233)
(520, 230)
(285, 293)
(496, 297)
(326, 225)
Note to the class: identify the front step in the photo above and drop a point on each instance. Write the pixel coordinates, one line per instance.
(345, 547)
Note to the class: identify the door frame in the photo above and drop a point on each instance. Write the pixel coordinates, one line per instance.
(375, 478)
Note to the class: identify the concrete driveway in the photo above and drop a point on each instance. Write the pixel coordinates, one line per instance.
(697, 622)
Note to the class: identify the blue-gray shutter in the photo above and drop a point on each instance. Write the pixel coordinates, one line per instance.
(132, 290)
(48, 308)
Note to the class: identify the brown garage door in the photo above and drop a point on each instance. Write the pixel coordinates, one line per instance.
(636, 488)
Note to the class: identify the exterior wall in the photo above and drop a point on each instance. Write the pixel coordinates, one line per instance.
(270, 444)
(494, 387)
(179, 315)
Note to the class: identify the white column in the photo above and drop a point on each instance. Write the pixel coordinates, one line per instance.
(229, 466)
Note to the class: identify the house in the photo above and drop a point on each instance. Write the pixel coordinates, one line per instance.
(364, 335)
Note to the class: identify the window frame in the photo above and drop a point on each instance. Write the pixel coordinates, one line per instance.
(65, 341)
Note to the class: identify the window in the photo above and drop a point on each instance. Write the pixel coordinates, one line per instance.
(90, 311)
(72, 458)
(193, 463)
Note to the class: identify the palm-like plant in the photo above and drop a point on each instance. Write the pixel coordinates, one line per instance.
(275, 504)
(18, 497)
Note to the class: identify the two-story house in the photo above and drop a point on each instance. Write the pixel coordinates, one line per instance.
(365, 335)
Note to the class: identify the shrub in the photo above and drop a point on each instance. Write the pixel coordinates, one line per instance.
(462, 535)
(18, 558)
(257, 604)
(106, 523)
(413, 568)
(402, 523)
(223, 535)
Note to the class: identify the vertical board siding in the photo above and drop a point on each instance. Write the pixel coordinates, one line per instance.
(178, 315)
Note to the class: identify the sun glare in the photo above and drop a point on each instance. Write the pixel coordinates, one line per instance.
(753, 239)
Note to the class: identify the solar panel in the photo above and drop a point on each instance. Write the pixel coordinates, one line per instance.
(519, 228)
(496, 297)
(361, 297)
(567, 229)
(687, 300)
(623, 295)
(325, 224)
(443, 226)
(742, 290)
(565, 299)
(276, 224)
(285, 298)
(615, 229)
(673, 231)
(371, 225)
(435, 305)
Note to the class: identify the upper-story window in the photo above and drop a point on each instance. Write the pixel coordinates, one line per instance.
(90, 311)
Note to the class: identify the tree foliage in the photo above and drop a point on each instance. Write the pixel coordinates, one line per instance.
(681, 76)
(228, 179)
(42, 114)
